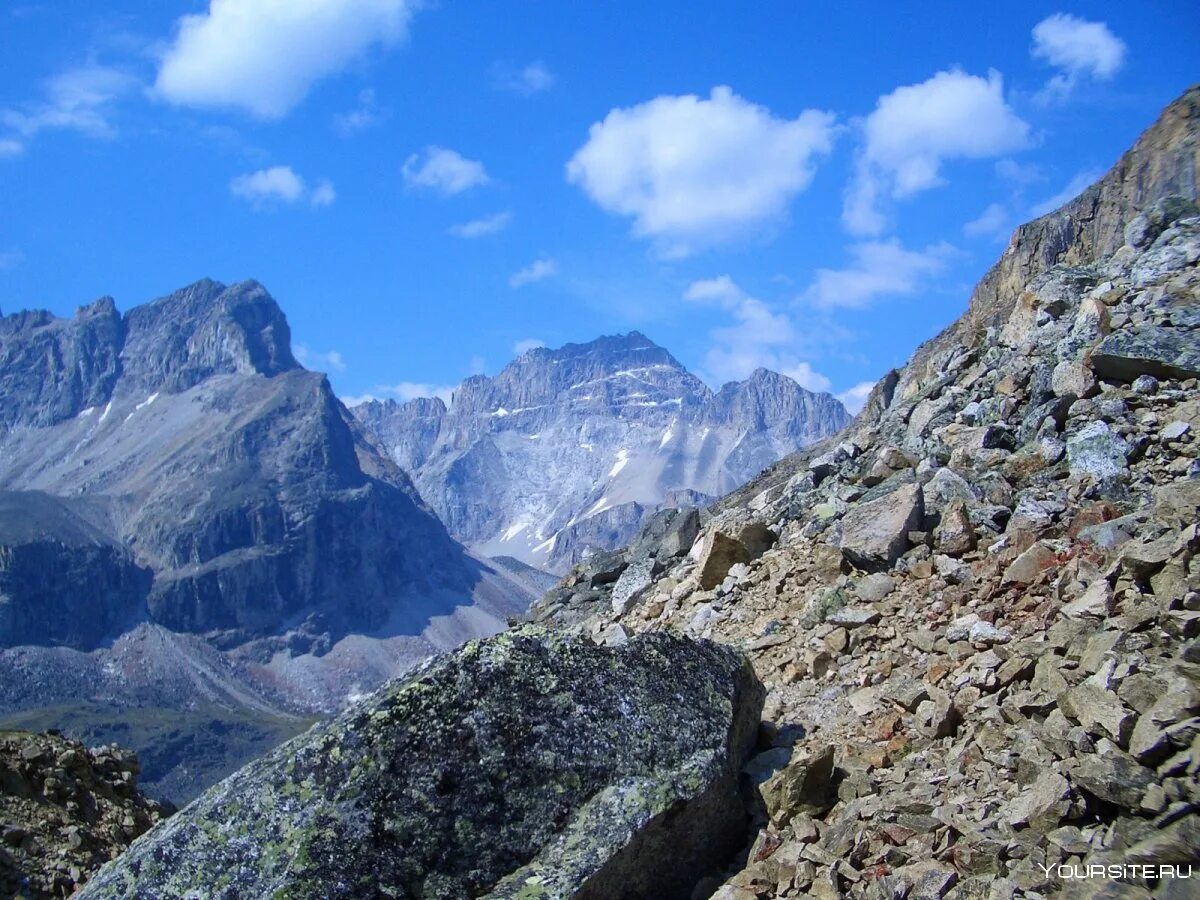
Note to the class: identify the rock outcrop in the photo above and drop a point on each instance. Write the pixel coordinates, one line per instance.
(1002, 670)
(65, 810)
(527, 765)
(567, 451)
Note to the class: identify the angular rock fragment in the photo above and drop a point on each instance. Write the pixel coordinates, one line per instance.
(875, 534)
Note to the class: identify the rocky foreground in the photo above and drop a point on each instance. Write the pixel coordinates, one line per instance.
(977, 612)
(64, 811)
(527, 765)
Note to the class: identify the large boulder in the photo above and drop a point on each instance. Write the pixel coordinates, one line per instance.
(875, 533)
(530, 764)
(719, 554)
(1160, 351)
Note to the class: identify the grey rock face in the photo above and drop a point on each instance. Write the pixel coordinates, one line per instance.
(52, 369)
(529, 765)
(62, 582)
(567, 451)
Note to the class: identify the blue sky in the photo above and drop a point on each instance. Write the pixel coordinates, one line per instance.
(426, 188)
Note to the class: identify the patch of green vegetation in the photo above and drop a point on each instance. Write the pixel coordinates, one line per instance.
(182, 751)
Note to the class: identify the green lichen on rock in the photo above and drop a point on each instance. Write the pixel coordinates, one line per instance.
(527, 765)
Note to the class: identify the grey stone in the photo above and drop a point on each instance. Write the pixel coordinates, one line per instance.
(635, 579)
(1096, 450)
(1173, 431)
(853, 617)
(1113, 775)
(1146, 385)
(875, 534)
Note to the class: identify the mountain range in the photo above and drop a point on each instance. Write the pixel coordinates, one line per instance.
(567, 451)
(188, 517)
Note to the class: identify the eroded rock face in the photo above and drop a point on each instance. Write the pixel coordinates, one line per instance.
(528, 765)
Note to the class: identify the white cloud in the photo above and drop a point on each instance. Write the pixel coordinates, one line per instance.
(11, 258)
(916, 128)
(403, 391)
(994, 222)
(1073, 189)
(280, 185)
(483, 226)
(263, 56)
(695, 172)
(538, 270)
(526, 345)
(1019, 174)
(879, 268)
(855, 398)
(78, 99)
(1078, 49)
(364, 115)
(329, 361)
(323, 194)
(411, 390)
(759, 337)
(533, 78)
(444, 171)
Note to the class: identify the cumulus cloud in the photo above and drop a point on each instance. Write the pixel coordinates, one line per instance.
(444, 171)
(280, 186)
(694, 172)
(916, 128)
(263, 56)
(1070, 191)
(879, 268)
(757, 337)
(538, 270)
(362, 116)
(1078, 49)
(533, 78)
(78, 99)
(526, 345)
(855, 398)
(328, 361)
(994, 222)
(483, 226)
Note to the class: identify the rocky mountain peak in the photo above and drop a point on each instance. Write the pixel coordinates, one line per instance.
(567, 449)
(203, 330)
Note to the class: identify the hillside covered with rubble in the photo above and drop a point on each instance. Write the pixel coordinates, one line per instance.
(976, 610)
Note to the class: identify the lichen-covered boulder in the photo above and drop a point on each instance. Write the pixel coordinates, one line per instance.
(528, 765)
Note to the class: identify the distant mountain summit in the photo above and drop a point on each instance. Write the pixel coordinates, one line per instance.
(567, 450)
